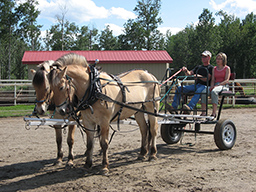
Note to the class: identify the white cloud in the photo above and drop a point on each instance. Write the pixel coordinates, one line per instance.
(236, 7)
(122, 13)
(117, 30)
(80, 11)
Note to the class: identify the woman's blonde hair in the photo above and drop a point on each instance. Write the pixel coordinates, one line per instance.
(224, 58)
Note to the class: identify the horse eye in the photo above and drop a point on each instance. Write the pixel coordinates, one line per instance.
(61, 88)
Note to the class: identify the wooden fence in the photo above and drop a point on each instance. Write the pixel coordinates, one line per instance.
(13, 92)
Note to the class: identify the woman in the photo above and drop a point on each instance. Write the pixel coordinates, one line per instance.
(219, 82)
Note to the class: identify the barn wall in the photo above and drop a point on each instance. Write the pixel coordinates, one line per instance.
(158, 70)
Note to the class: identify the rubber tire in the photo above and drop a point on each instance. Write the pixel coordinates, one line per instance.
(225, 134)
(168, 135)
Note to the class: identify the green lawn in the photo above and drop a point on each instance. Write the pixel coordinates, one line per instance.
(16, 111)
(23, 110)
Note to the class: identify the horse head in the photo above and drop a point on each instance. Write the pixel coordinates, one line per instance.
(64, 90)
(42, 87)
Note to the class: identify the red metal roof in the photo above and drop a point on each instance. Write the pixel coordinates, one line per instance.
(37, 57)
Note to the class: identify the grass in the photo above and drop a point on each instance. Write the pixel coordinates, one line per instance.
(16, 111)
(22, 110)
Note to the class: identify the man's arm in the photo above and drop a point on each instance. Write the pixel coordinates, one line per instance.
(187, 72)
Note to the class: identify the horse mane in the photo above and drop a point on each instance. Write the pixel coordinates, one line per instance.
(38, 79)
(52, 75)
(39, 76)
(71, 59)
(45, 65)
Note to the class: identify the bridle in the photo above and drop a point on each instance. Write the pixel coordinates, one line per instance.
(46, 99)
(88, 99)
(69, 85)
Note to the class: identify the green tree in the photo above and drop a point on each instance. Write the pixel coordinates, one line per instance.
(107, 41)
(87, 39)
(230, 33)
(247, 63)
(142, 32)
(29, 30)
(178, 47)
(186, 46)
(61, 36)
(8, 38)
(148, 17)
(133, 38)
(207, 37)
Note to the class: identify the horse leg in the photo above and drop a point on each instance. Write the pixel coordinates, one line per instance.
(144, 130)
(58, 133)
(70, 141)
(89, 151)
(104, 146)
(153, 133)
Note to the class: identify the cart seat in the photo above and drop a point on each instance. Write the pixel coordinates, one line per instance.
(226, 93)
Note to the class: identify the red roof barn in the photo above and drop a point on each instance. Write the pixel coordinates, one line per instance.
(113, 62)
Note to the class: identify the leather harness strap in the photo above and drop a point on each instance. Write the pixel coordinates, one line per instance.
(122, 87)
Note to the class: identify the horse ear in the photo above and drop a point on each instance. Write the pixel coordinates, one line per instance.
(63, 72)
(33, 71)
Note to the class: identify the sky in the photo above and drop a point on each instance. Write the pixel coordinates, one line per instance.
(176, 14)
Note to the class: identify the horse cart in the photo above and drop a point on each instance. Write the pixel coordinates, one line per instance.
(172, 129)
(173, 126)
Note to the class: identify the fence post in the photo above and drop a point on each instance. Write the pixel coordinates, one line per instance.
(233, 97)
(15, 94)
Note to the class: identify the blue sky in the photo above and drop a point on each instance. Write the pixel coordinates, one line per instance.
(176, 15)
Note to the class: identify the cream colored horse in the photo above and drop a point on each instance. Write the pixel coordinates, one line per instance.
(44, 98)
(142, 91)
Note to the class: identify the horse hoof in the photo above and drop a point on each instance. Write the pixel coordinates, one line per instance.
(142, 158)
(57, 163)
(152, 158)
(69, 166)
(87, 167)
(105, 171)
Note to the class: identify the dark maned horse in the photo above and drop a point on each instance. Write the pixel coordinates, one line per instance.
(143, 89)
(44, 98)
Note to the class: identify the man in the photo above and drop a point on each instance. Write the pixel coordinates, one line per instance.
(200, 72)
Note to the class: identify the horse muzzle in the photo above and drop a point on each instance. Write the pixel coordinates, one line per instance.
(41, 109)
(64, 109)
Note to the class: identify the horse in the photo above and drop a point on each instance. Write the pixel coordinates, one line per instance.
(142, 91)
(44, 99)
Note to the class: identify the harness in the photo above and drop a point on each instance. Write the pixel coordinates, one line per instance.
(89, 97)
(122, 87)
(94, 93)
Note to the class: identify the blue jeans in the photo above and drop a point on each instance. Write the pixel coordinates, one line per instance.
(186, 89)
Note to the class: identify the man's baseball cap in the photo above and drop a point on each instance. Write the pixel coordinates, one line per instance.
(207, 53)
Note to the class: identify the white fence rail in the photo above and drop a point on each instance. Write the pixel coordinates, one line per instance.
(13, 92)
(16, 91)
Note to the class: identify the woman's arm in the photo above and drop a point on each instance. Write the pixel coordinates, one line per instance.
(227, 76)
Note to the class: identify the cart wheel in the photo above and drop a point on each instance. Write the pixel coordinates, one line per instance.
(225, 134)
(169, 135)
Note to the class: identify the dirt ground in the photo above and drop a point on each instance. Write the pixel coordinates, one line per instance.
(27, 158)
